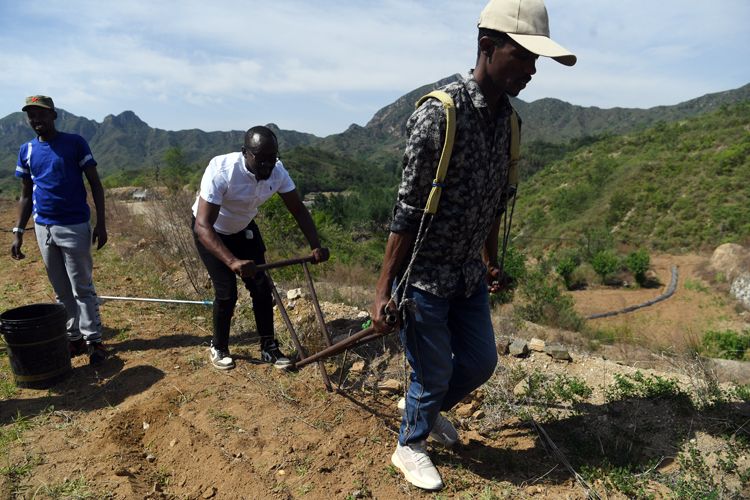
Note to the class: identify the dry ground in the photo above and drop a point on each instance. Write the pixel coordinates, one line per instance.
(156, 420)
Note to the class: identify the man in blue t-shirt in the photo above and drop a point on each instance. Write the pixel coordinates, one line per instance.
(51, 168)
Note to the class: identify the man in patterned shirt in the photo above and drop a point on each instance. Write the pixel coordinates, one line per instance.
(446, 329)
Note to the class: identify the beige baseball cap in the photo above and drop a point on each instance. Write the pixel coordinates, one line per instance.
(526, 22)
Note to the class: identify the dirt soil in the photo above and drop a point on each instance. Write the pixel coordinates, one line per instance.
(157, 421)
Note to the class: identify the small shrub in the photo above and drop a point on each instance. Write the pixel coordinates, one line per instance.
(514, 269)
(565, 264)
(695, 286)
(742, 392)
(605, 263)
(545, 303)
(727, 344)
(639, 386)
(638, 263)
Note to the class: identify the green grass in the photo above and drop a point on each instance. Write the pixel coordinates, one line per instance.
(673, 187)
(78, 489)
(632, 483)
(225, 420)
(695, 286)
(726, 344)
(638, 385)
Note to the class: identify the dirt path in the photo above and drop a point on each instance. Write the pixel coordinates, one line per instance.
(157, 421)
(671, 324)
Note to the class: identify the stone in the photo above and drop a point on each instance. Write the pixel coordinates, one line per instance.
(294, 294)
(390, 385)
(502, 346)
(730, 260)
(557, 351)
(358, 366)
(521, 388)
(536, 345)
(150, 458)
(740, 290)
(478, 415)
(464, 410)
(210, 492)
(518, 348)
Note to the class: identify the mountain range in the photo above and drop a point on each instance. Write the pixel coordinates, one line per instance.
(124, 142)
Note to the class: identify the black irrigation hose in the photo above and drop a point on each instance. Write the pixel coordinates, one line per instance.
(668, 293)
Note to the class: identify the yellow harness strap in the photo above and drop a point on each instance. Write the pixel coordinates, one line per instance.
(445, 156)
(515, 149)
(450, 134)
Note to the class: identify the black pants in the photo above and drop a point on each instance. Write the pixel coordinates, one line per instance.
(245, 245)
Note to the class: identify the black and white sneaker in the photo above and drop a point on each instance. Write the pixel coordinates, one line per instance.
(78, 347)
(97, 353)
(270, 353)
(220, 359)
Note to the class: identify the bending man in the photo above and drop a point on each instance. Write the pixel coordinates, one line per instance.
(230, 244)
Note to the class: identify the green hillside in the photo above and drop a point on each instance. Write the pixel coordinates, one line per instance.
(673, 187)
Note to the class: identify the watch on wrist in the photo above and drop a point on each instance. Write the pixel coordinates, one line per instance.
(18, 230)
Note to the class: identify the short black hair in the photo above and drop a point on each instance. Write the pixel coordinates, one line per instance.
(498, 37)
(258, 137)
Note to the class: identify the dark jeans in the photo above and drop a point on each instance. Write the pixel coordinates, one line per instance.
(450, 346)
(225, 284)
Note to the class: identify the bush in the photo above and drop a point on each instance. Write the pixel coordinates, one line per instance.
(514, 269)
(727, 344)
(565, 264)
(605, 263)
(638, 263)
(545, 303)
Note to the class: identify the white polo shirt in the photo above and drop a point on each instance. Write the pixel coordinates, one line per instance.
(227, 182)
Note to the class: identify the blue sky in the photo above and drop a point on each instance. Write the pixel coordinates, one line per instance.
(319, 66)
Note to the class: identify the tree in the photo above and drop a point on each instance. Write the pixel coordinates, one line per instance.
(605, 263)
(638, 263)
(566, 262)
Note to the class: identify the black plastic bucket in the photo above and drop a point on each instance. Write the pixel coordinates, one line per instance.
(37, 344)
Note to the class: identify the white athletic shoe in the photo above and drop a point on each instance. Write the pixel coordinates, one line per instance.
(416, 465)
(220, 359)
(442, 431)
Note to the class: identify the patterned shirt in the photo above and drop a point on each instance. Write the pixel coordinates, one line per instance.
(449, 261)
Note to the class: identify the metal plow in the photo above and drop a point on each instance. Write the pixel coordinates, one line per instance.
(364, 336)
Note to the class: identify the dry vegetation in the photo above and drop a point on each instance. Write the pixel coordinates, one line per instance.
(156, 421)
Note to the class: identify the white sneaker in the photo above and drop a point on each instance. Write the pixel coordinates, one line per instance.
(220, 359)
(416, 465)
(442, 431)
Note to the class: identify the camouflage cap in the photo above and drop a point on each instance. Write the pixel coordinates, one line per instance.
(39, 101)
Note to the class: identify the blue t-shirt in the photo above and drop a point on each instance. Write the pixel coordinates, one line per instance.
(56, 169)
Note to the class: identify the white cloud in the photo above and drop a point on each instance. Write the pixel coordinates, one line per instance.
(225, 64)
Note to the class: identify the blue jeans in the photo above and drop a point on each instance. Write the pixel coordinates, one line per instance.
(450, 346)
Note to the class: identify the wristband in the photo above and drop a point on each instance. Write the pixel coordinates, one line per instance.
(18, 230)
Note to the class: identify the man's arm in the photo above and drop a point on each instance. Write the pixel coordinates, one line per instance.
(99, 236)
(24, 212)
(489, 255)
(396, 252)
(300, 213)
(204, 229)
(425, 130)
